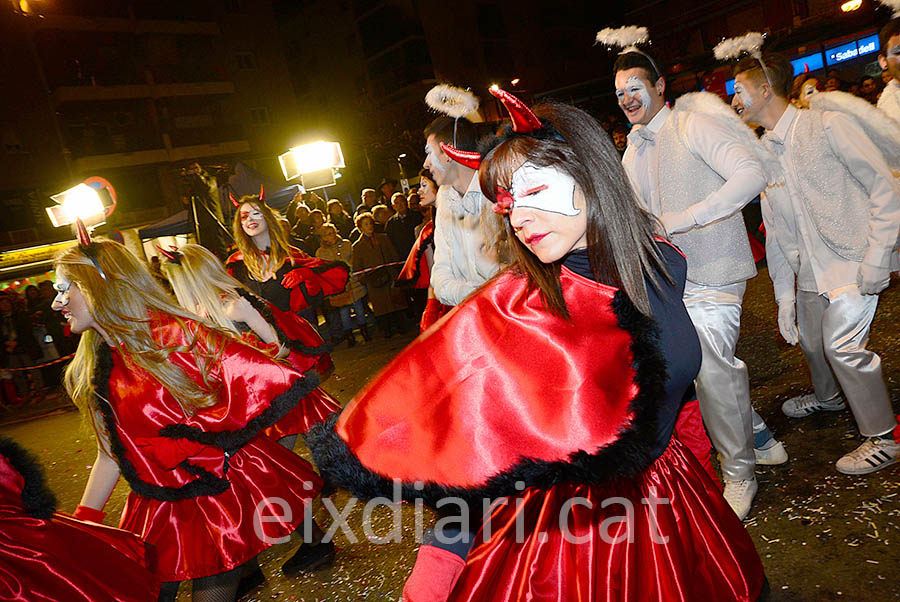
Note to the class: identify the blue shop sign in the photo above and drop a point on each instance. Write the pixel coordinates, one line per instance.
(839, 54)
(868, 44)
(811, 61)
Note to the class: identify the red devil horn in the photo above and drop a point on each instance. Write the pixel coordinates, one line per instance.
(468, 158)
(234, 200)
(524, 121)
(167, 254)
(262, 193)
(81, 233)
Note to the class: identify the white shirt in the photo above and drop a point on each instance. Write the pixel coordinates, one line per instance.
(716, 145)
(889, 102)
(463, 258)
(821, 269)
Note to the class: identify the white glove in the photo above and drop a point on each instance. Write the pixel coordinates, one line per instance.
(677, 221)
(872, 280)
(787, 322)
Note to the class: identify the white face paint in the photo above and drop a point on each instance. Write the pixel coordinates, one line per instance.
(809, 89)
(743, 95)
(634, 88)
(61, 286)
(544, 188)
(433, 160)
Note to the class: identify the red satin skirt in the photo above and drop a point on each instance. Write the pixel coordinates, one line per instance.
(63, 558)
(208, 535)
(312, 409)
(602, 556)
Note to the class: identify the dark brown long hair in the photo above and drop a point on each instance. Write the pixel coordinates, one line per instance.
(620, 233)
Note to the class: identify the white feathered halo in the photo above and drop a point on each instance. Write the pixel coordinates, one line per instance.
(894, 5)
(627, 37)
(451, 101)
(732, 48)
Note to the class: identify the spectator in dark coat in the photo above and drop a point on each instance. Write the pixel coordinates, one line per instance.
(401, 227)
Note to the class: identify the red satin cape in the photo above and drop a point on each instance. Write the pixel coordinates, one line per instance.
(482, 372)
(207, 534)
(62, 558)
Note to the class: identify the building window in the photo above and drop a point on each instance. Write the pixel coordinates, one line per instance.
(245, 60)
(259, 116)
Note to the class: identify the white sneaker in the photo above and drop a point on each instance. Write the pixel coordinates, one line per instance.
(806, 405)
(772, 456)
(874, 454)
(739, 495)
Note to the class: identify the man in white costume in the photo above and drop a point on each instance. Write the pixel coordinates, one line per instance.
(889, 59)
(695, 174)
(466, 235)
(832, 234)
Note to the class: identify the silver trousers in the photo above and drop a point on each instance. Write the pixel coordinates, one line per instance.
(723, 387)
(833, 334)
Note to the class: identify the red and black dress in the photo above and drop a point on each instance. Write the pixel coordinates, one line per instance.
(47, 555)
(307, 351)
(199, 483)
(320, 279)
(543, 410)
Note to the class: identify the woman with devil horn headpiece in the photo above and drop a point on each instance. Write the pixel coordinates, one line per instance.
(272, 269)
(561, 382)
(177, 405)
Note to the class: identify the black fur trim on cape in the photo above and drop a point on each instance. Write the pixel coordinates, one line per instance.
(37, 499)
(629, 455)
(233, 440)
(206, 483)
(266, 312)
(408, 282)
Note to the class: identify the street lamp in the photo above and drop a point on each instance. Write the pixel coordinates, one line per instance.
(851, 5)
(400, 165)
(313, 163)
(80, 201)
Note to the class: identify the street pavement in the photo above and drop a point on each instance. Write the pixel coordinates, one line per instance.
(821, 535)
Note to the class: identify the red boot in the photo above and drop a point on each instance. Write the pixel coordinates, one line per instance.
(433, 576)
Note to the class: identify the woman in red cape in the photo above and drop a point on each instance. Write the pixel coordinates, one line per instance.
(47, 555)
(177, 405)
(559, 385)
(416, 272)
(202, 285)
(270, 268)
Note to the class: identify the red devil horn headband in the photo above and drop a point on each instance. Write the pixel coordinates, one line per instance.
(233, 199)
(470, 159)
(524, 121)
(81, 233)
(262, 193)
(237, 203)
(174, 256)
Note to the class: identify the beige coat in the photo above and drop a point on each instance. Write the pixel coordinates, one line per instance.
(369, 253)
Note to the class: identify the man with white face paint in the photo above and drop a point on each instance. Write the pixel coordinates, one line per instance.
(467, 248)
(695, 174)
(831, 245)
(889, 59)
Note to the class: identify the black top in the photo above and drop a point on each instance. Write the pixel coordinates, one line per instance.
(401, 229)
(678, 340)
(270, 290)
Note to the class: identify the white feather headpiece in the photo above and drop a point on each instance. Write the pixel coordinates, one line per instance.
(627, 37)
(894, 5)
(451, 101)
(732, 48)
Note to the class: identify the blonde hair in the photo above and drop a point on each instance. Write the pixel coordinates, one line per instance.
(200, 281)
(279, 249)
(121, 304)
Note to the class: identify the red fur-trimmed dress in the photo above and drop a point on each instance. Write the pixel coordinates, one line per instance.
(307, 351)
(317, 279)
(564, 422)
(47, 555)
(200, 482)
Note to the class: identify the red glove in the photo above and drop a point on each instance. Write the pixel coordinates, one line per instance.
(296, 276)
(86, 513)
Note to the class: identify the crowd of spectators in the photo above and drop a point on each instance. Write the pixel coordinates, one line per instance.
(33, 336)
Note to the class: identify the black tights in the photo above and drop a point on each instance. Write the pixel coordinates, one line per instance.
(216, 588)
